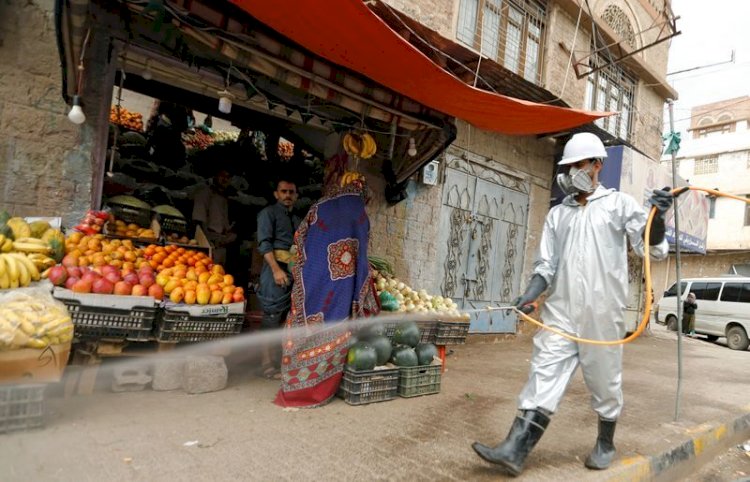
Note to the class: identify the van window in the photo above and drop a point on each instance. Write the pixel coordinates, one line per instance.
(673, 290)
(705, 291)
(738, 292)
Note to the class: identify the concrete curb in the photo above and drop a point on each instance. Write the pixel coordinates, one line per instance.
(704, 439)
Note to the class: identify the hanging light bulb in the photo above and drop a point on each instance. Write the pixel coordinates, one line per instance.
(225, 103)
(76, 114)
(412, 147)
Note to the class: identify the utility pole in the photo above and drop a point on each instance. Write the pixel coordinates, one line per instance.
(670, 102)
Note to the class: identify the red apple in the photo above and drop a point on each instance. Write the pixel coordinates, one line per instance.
(103, 286)
(131, 278)
(156, 291)
(145, 268)
(113, 277)
(108, 268)
(70, 260)
(82, 286)
(147, 280)
(57, 275)
(74, 271)
(139, 290)
(71, 281)
(123, 288)
(90, 276)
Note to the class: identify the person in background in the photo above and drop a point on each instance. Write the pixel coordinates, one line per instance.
(276, 227)
(211, 213)
(583, 261)
(688, 314)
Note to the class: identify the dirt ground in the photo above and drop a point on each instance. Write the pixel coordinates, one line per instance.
(238, 434)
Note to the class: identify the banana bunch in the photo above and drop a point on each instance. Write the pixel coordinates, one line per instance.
(361, 145)
(6, 244)
(17, 270)
(31, 245)
(349, 177)
(27, 322)
(41, 261)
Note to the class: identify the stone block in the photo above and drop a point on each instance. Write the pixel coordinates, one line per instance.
(168, 374)
(205, 374)
(130, 378)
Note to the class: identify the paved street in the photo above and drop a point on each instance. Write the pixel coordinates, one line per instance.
(238, 434)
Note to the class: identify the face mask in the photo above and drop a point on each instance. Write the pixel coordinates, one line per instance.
(577, 180)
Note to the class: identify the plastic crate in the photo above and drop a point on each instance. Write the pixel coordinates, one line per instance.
(21, 407)
(179, 326)
(368, 386)
(452, 332)
(131, 215)
(173, 224)
(427, 330)
(135, 324)
(419, 380)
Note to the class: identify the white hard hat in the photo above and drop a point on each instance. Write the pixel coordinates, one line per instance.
(583, 145)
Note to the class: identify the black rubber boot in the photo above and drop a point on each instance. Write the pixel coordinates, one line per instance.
(604, 451)
(525, 432)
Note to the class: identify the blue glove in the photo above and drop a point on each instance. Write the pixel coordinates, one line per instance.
(536, 287)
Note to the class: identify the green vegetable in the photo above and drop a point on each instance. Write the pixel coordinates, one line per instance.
(362, 356)
(425, 352)
(382, 347)
(407, 333)
(404, 356)
(388, 302)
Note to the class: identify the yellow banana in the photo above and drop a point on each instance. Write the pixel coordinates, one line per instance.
(28, 265)
(25, 247)
(370, 147)
(12, 266)
(4, 281)
(2, 239)
(3, 266)
(7, 246)
(29, 240)
(24, 277)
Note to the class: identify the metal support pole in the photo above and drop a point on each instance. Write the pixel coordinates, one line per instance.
(670, 103)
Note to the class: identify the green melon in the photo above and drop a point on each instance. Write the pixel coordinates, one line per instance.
(407, 333)
(425, 352)
(404, 356)
(383, 348)
(370, 330)
(361, 356)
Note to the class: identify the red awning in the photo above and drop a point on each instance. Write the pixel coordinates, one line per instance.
(347, 33)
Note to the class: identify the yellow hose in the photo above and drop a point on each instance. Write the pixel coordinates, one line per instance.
(647, 268)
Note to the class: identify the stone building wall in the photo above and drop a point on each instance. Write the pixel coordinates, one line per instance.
(44, 158)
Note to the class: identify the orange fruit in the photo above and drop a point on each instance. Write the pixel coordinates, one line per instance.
(203, 277)
(190, 297)
(171, 285)
(228, 279)
(168, 263)
(216, 297)
(177, 295)
(215, 279)
(217, 269)
(162, 279)
(226, 299)
(227, 289)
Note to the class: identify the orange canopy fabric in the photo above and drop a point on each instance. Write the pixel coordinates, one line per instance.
(347, 33)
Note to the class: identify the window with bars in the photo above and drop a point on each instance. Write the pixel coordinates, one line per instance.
(706, 165)
(747, 211)
(509, 32)
(611, 89)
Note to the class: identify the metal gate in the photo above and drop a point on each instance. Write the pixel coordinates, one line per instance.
(481, 241)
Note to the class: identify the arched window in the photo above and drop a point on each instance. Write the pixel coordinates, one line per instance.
(705, 121)
(724, 118)
(618, 21)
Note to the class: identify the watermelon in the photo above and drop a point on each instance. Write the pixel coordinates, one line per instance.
(362, 356)
(404, 356)
(371, 329)
(425, 352)
(407, 333)
(383, 348)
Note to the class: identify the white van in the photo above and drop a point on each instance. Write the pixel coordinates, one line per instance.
(723, 308)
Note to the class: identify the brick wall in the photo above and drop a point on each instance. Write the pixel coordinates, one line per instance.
(44, 158)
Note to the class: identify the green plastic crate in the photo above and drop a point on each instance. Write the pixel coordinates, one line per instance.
(419, 380)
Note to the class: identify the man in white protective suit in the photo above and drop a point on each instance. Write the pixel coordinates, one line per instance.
(582, 259)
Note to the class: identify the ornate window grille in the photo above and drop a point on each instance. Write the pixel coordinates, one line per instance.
(611, 89)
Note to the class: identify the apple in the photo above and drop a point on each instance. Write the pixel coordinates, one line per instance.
(156, 291)
(90, 277)
(145, 268)
(82, 286)
(139, 290)
(103, 286)
(113, 277)
(108, 268)
(123, 288)
(71, 281)
(70, 260)
(147, 280)
(74, 271)
(58, 275)
(131, 278)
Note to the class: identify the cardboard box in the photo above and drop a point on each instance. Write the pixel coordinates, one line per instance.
(31, 365)
(117, 302)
